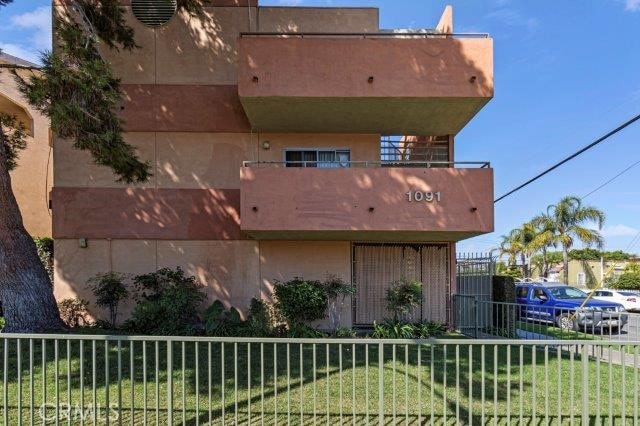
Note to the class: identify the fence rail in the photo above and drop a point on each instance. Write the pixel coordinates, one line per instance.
(132, 380)
(477, 316)
(386, 163)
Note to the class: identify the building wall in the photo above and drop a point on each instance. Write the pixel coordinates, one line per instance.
(182, 114)
(32, 179)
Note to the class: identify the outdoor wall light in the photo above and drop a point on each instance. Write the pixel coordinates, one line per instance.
(255, 79)
(473, 79)
(371, 209)
(254, 208)
(473, 209)
(370, 79)
(82, 243)
(266, 145)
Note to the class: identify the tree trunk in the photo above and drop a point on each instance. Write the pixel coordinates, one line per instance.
(26, 292)
(565, 264)
(523, 258)
(545, 263)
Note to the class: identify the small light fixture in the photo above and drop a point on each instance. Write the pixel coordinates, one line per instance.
(371, 209)
(266, 145)
(82, 242)
(255, 79)
(370, 79)
(473, 209)
(254, 208)
(473, 79)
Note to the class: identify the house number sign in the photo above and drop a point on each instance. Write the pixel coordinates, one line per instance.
(419, 196)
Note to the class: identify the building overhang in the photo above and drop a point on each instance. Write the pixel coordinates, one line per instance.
(384, 83)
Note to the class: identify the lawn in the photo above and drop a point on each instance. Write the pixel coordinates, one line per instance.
(307, 383)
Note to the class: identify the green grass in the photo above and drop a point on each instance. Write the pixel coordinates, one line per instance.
(417, 381)
(555, 332)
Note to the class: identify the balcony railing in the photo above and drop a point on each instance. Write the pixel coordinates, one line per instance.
(365, 164)
(390, 34)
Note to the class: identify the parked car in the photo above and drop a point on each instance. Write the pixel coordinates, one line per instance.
(559, 304)
(629, 299)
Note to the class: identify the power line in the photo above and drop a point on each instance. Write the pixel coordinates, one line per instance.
(572, 156)
(612, 179)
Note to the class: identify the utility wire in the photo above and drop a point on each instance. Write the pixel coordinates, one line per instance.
(572, 156)
(612, 179)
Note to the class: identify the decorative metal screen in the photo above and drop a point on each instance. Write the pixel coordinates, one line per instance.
(377, 266)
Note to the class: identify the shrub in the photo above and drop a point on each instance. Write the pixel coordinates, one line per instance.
(2, 322)
(44, 246)
(345, 332)
(222, 322)
(300, 300)
(168, 301)
(303, 331)
(627, 281)
(426, 329)
(392, 329)
(402, 297)
(109, 289)
(74, 311)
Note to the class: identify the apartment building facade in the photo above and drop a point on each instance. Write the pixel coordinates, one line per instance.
(285, 142)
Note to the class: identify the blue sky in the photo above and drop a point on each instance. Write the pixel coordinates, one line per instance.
(565, 73)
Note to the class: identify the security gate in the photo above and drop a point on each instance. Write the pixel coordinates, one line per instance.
(377, 265)
(474, 272)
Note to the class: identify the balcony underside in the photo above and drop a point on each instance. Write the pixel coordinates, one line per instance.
(387, 116)
(349, 235)
(372, 84)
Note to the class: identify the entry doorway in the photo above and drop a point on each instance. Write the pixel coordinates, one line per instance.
(377, 265)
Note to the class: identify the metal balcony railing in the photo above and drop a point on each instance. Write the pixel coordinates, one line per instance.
(365, 164)
(428, 34)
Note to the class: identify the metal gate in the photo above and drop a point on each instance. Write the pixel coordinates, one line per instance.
(474, 273)
(377, 265)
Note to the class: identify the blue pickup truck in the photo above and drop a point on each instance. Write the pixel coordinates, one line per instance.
(559, 304)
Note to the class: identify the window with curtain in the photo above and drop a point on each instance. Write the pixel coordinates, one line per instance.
(322, 158)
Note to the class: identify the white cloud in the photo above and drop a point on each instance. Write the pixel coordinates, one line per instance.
(39, 21)
(619, 231)
(632, 5)
(513, 18)
(20, 52)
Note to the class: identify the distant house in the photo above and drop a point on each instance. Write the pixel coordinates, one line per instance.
(32, 179)
(586, 273)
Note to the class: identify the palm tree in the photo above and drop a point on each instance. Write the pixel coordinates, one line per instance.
(545, 237)
(569, 218)
(518, 242)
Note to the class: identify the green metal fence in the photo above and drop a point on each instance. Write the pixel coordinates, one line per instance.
(75, 379)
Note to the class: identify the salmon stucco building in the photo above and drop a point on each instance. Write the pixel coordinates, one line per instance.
(285, 142)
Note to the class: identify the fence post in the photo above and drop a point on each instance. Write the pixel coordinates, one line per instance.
(476, 317)
(585, 386)
(380, 384)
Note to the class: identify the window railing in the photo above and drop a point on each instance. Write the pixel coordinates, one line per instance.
(365, 164)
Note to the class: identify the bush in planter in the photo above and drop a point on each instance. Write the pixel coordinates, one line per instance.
(167, 303)
(392, 329)
(109, 290)
(402, 297)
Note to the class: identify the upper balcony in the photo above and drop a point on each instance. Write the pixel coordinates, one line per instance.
(373, 201)
(387, 83)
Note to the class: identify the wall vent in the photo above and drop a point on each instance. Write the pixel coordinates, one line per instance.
(153, 13)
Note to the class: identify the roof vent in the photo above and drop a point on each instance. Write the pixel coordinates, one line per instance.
(153, 13)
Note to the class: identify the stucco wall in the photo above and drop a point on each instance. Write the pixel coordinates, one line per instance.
(32, 179)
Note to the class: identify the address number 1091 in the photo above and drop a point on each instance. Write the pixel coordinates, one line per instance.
(429, 197)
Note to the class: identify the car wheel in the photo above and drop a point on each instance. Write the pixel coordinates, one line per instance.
(565, 322)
